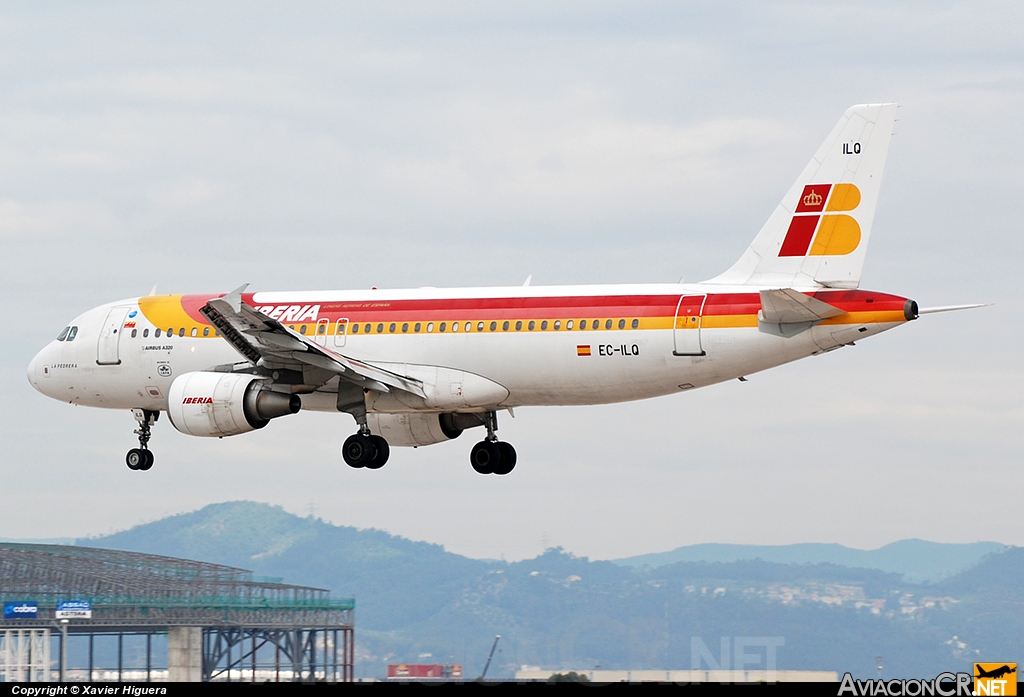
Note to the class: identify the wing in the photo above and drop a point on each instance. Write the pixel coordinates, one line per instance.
(269, 344)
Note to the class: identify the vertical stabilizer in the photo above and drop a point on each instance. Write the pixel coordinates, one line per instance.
(818, 235)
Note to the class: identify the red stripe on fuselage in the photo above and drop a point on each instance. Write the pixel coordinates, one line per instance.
(548, 307)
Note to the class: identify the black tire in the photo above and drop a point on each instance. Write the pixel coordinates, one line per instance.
(357, 450)
(381, 453)
(508, 459)
(135, 459)
(485, 456)
(148, 462)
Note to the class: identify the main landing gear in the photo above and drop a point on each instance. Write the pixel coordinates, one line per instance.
(141, 458)
(364, 449)
(491, 456)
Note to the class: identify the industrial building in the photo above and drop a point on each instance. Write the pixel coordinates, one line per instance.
(211, 622)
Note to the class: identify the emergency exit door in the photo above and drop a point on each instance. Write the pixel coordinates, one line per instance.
(686, 334)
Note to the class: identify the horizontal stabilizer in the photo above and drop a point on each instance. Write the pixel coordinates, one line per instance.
(788, 306)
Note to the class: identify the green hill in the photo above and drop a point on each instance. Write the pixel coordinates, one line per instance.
(417, 602)
(917, 560)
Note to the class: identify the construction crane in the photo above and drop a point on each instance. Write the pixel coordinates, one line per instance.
(489, 657)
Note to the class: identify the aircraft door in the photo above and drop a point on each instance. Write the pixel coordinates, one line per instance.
(110, 334)
(320, 336)
(340, 332)
(687, 328)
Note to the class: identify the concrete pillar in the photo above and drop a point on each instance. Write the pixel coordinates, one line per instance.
(185, 654)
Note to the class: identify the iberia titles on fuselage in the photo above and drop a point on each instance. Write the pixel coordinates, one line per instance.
(415, 367)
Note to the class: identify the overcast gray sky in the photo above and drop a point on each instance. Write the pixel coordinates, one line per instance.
(201, 145)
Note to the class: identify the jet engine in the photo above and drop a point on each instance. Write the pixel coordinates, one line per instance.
(412, 430)
(225, 404)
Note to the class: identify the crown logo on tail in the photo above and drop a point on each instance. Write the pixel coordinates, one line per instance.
(812, 199)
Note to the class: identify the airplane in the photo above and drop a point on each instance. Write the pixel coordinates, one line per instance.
(418, 367)
(996, 672)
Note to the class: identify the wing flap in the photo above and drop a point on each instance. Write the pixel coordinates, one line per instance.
(260, 338)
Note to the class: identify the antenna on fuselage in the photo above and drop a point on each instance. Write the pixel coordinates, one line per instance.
(153, 292)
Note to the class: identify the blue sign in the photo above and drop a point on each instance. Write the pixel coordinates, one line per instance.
(21, 610)
(74, 609)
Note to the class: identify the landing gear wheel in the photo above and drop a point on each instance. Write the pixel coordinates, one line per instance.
(508, 459)
(136, 459)
(381, 453)
(485, 456)
(148, 463)
(358, 450)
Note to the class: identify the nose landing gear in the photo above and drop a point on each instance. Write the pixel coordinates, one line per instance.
(491, 456)
(141, 458)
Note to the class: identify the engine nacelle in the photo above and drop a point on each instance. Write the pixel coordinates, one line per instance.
(225, 404)
(412, 430)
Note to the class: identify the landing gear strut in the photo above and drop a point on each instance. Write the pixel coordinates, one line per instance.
(141, 458)
(491, 456)
(364, 449)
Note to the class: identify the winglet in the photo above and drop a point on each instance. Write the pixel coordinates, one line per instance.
(234, 298)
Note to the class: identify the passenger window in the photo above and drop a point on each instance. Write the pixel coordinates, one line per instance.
(480, 326)
(440, 328)
(417, 327)
(607, 324)
(532, 325)
(568, 325)
(195, 331)
(583, 324)
(494, 325)
(302, 329)
(157, 333)
(181, 332)
(380, 329)
(455, 326)
(392, 328)
(367, 328)
(636, 323)
(170, 331)
(64, 334)
(622, 324)
(504, 326)
(321, 327)
(430, 327)
(206, 331)
(135, 333)
(543, 325)
(558, 324)
(405, 327)
(216, 332)
(72, 334)
(145, 333)
(519, 325)
(292, 327)
(355, 328)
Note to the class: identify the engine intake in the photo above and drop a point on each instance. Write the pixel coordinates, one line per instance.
(225, 404)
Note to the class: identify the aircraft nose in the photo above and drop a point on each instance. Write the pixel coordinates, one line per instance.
(37, 368)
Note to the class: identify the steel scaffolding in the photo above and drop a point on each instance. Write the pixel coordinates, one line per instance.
(242, 617)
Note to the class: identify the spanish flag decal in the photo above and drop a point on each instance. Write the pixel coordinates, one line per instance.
(583, 350)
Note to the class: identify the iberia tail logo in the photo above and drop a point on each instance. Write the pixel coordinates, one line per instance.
(820, 226)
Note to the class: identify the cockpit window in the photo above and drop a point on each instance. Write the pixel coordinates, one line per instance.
(72, 334)
(64, 334)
